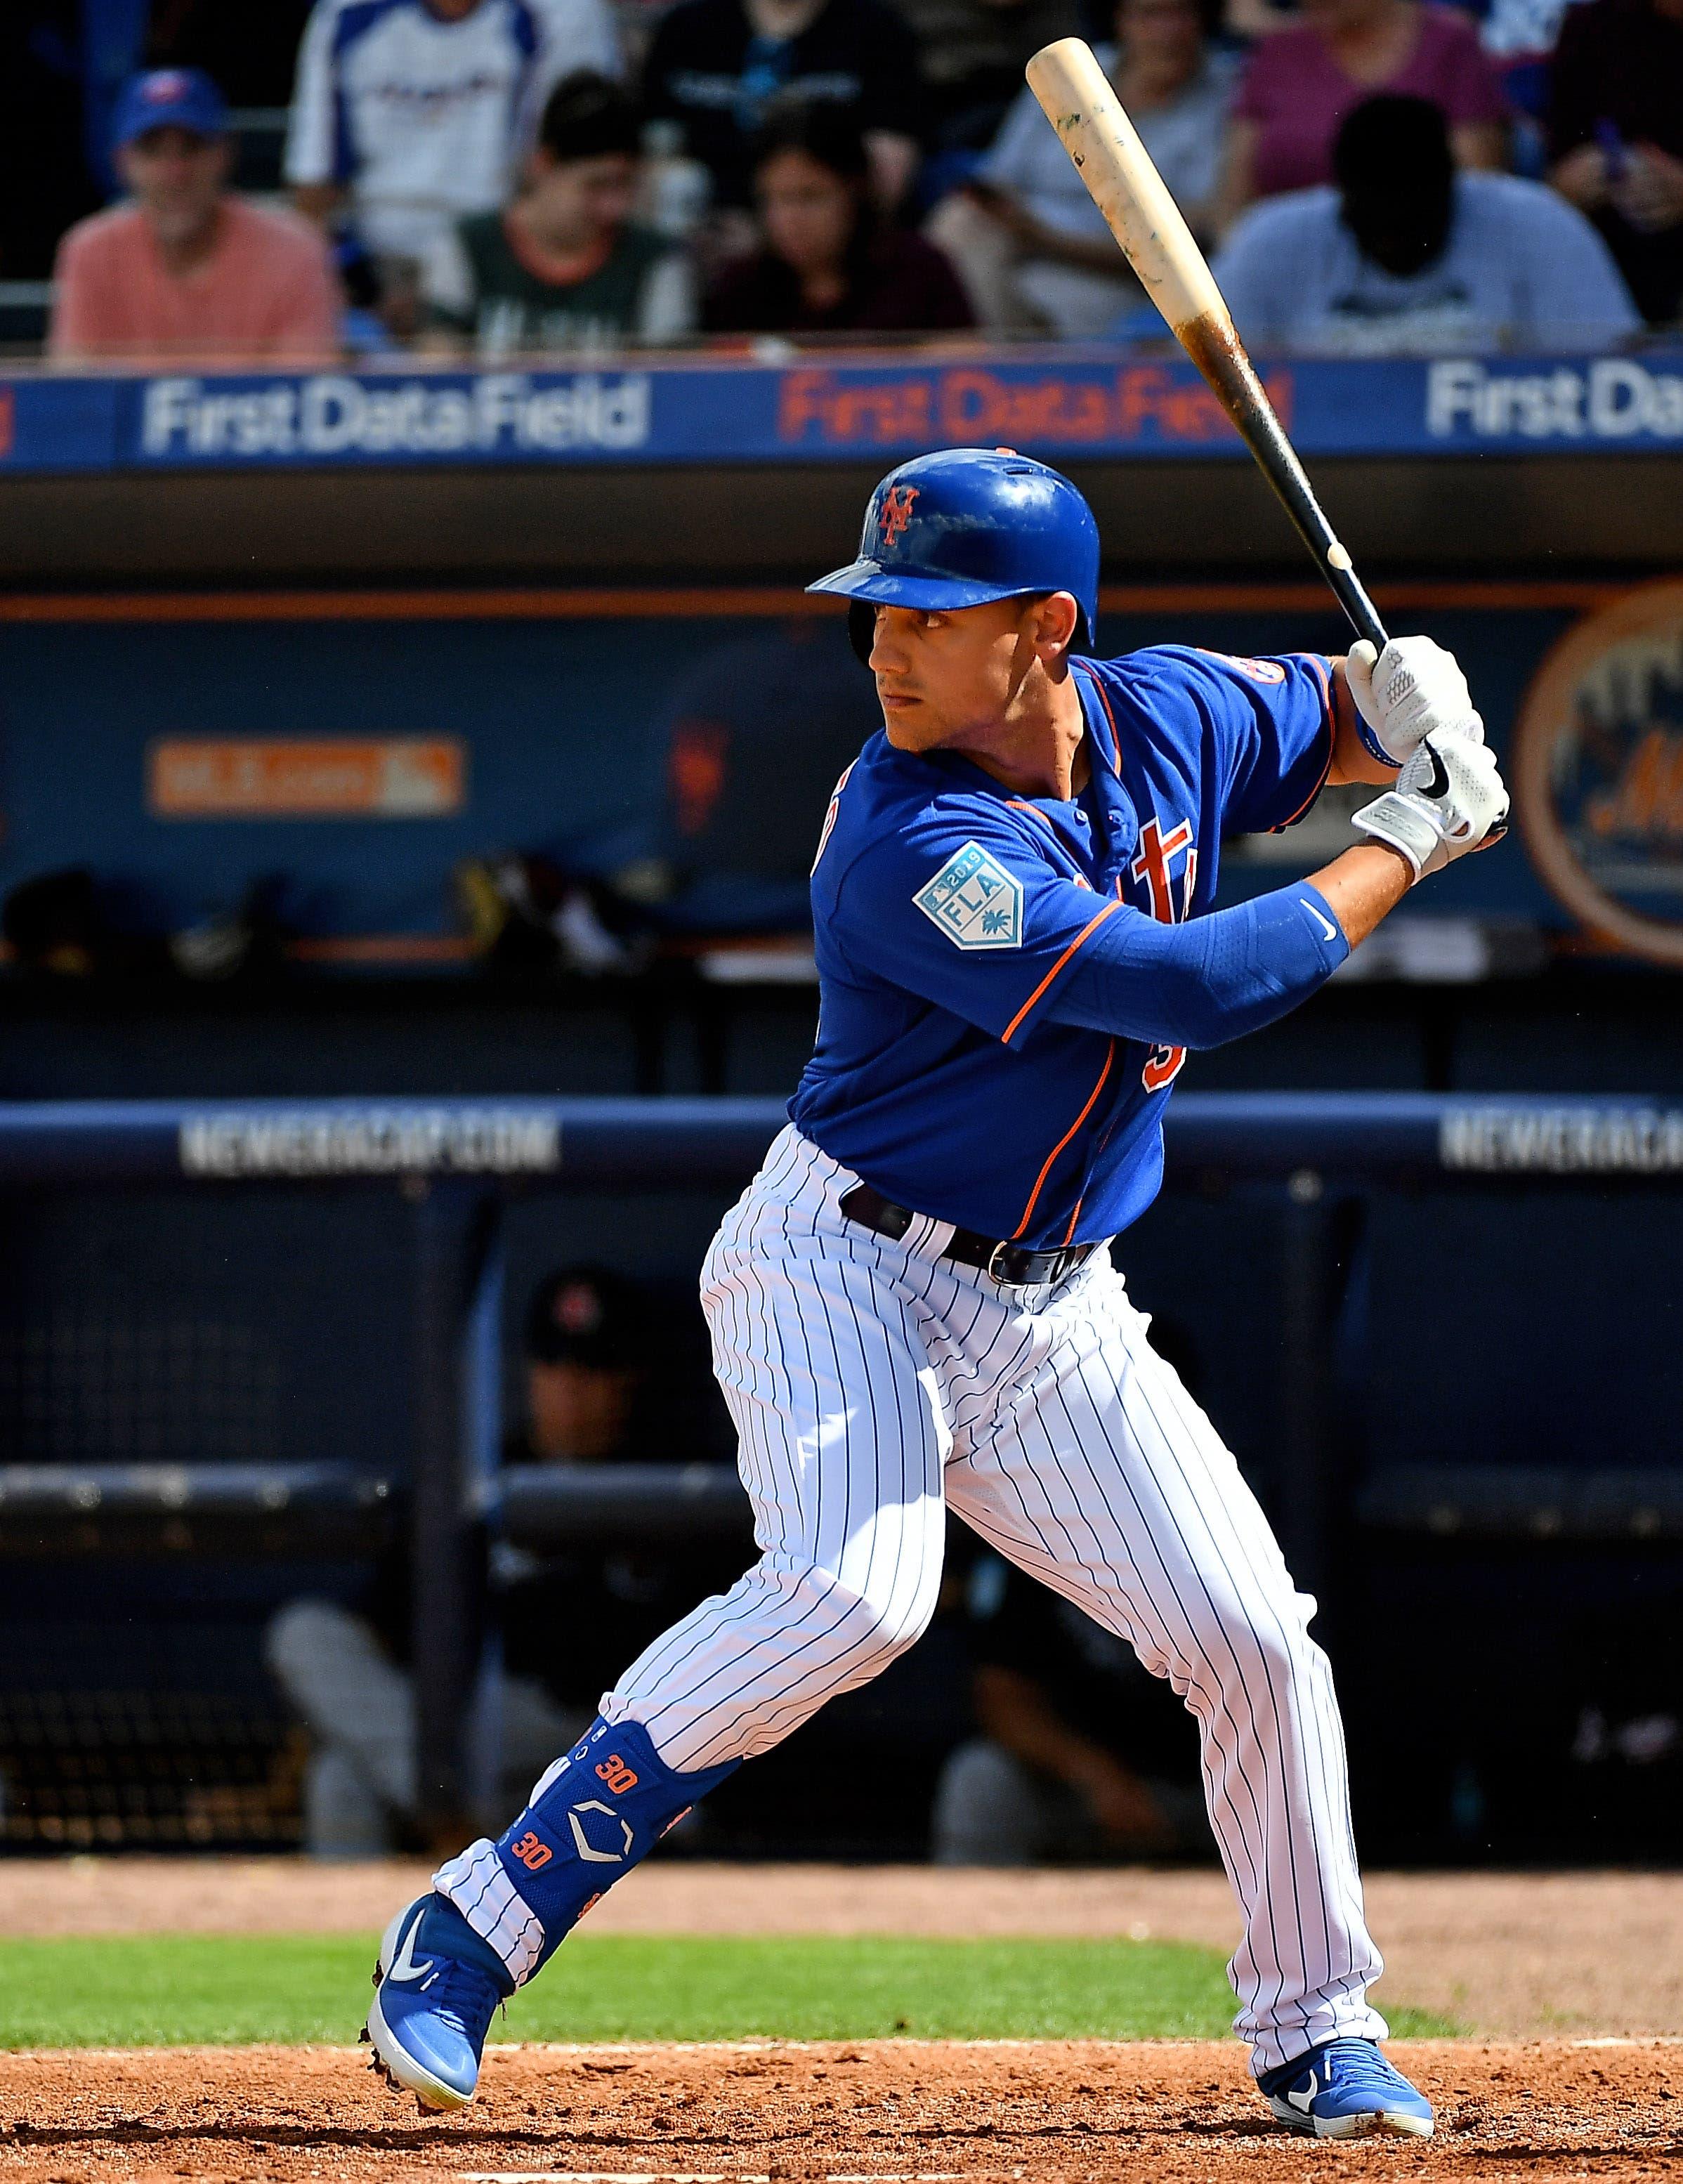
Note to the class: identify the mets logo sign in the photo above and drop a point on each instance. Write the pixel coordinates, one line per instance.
(1598, 771)
(896, 512)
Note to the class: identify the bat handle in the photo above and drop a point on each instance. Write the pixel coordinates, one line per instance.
(1363, 616)
(1214, 348)
(1284, 473)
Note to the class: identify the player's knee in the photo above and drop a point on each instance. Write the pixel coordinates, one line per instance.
(900, 1624)
(873, 1621)
(1265, 1637)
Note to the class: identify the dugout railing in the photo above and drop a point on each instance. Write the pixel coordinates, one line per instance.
(458, 1162)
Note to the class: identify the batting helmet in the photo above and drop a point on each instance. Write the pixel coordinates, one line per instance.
(965, 526)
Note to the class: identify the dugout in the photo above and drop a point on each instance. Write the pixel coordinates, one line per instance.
(171, 579)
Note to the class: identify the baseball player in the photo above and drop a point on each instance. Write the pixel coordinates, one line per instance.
(913, 1306)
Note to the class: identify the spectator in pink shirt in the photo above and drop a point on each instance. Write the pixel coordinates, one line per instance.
(184, 270)
(1301, 82)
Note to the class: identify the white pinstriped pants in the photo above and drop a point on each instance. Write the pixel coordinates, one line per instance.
(873, 1384)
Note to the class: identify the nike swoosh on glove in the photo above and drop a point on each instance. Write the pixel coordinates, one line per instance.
(1410, 691)
(1448, 799)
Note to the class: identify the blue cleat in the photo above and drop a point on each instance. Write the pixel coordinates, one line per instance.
(1346, 2090)
(436, 1987)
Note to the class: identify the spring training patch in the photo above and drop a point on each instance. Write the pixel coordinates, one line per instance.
(975, 901)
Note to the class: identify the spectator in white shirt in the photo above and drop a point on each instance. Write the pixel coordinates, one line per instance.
(1407, 256)
(1031, 245)
(411, 114)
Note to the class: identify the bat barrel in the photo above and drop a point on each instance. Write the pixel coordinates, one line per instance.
(1081, 103)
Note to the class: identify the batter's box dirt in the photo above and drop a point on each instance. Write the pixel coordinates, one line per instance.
(898, 2112)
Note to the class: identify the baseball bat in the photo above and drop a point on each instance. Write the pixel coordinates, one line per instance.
(1145, 221)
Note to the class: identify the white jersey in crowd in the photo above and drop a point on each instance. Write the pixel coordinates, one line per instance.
(423, 119)
(1184, 137)
(1522, 269)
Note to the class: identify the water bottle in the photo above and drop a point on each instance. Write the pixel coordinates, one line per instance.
(677, 190)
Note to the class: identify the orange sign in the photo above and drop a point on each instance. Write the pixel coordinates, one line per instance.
(300, 777)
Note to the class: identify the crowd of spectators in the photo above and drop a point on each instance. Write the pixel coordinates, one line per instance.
(502, 177)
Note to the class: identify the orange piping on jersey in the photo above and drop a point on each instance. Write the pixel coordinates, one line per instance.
(1114, 754)
(1051, 1158)
(1314, 660)
(1069, 1233)
(1091, 926)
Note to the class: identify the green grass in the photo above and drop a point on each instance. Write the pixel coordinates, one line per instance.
(173, 1989)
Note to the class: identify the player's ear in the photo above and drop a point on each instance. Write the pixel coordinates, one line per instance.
(1056, 617)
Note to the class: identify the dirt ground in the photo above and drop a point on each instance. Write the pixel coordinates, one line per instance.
(1086, 2111)
(1508, 1955)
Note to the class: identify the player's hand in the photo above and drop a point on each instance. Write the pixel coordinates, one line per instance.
(1407, 692)
(1449, 798)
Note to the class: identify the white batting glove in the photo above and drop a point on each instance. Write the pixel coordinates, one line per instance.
(1449, 798)
(1406, 692)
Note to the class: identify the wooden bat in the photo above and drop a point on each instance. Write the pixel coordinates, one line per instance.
(1145, 221)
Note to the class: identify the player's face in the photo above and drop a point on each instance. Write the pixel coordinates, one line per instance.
(577, 1413)
(809, 214)
(946, 678)
(177, 175)
(1167, 31)
(583, 201)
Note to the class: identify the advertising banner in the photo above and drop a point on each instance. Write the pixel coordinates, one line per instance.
(1068, 404)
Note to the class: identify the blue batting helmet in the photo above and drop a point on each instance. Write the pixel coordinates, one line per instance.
(965, 526)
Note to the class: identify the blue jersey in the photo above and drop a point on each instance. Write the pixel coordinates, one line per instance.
(954, 921)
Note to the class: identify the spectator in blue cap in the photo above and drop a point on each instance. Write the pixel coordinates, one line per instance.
(183, 269)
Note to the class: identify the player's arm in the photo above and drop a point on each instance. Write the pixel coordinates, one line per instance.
(964, 911)
(961, 911)
(1016, 1711)
(1351, 759)
(1233, 971)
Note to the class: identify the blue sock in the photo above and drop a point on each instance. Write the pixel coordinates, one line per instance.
(595, 1815)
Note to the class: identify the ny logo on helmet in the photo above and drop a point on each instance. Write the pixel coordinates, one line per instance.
(896, 511)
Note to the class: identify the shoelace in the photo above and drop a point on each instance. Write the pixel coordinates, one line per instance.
(467, 1998)
(1356, 2064)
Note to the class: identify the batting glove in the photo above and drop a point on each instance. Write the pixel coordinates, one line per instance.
(1449, 798)
(1406, 692)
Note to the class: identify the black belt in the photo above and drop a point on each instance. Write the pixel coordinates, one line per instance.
(1006, 1262)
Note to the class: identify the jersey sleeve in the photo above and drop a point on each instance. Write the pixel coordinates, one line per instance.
(1270, 721)
(1008, 163)
(962, 911)
(314, 152)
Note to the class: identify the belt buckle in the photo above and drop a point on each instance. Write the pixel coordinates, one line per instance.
(992, 1268)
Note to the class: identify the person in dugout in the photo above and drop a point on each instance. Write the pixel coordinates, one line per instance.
(603, 1384)
(1081, 1757)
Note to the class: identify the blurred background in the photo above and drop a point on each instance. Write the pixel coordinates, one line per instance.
(417, 420)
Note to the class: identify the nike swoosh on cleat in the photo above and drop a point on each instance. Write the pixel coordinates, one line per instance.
(403, 1967)
(1303, 2102)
